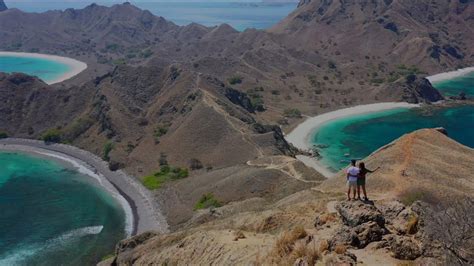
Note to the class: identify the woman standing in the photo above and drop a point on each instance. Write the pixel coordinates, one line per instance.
(361, 180)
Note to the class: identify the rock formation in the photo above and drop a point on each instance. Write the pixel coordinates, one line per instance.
(317, 225)
(3, 7)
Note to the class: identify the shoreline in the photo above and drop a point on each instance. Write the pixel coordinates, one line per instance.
(141, 211)
(300, 136)
(450, 75)
(75, 66)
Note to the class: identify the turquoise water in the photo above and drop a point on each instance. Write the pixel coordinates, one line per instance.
(47, 70)
(454, 86)
(239, 15)
(52, 215)
(358, 136)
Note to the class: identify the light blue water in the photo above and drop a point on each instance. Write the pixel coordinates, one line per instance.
(454, 86)
(239, 15)
(358, 136)
(47, 70)
(52, 215)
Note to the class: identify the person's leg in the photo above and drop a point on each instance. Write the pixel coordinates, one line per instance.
(358, 192)
(354, 190)
(348, 191)
(365, 192)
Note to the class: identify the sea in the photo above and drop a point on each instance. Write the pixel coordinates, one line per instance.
(357, 136)
(240, 15)
(53, 215)
(47, 70)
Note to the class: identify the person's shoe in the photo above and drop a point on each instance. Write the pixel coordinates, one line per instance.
(366, 199)
(348, 199)
(359, 198)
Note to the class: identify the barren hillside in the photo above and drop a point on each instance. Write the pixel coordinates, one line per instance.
(313, 226)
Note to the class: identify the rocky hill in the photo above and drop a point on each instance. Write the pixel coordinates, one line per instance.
(3, 7)
(217, 101)
(318, 225)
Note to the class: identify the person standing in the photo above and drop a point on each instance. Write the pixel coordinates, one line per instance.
(361, 180)
(352, 176)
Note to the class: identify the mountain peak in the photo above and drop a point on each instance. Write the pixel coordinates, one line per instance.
(3, 7)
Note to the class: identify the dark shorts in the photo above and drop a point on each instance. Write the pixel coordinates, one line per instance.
(361, 181)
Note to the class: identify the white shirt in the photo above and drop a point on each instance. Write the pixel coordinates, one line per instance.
(353, 173)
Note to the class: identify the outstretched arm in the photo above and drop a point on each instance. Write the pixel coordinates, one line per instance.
(371, 171)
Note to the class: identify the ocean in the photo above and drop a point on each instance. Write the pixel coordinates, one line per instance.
(240, 15)
(53, 215)
(47, 70)
(358, 136)
(456, 85)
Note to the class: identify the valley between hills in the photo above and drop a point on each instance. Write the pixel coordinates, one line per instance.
(215, 104)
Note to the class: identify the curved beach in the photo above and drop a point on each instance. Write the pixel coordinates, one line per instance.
(300, 136)
(75, 66)
(450, 75)
(142, 212)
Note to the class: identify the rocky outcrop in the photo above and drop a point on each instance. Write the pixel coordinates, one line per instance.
(389, 224)
(3, 7)
(417, 90)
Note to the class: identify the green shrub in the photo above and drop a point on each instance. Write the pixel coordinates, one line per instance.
(146, 53)
(52, 135)
(256, 99)
(120, 61)
(331, 65)
(235, 80)
(159, 132)
(294, 113)
(206, 201)
(165, 174)
(108, 147)
(3, 135)
(112, 47)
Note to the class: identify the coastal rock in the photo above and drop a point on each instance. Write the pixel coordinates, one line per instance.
(357, 213)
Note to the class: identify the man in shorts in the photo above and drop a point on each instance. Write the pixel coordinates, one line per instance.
(352, 175)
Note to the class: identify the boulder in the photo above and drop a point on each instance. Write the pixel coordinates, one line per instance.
(343, 237)
(391, 209)
(405, 223)
(357, 213)
(404, 248)
(368, 233)
(340, 259)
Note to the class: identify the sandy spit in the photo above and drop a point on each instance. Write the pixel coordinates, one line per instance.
(450, 75)
(75, 66)
(142, 211)
(300, 136)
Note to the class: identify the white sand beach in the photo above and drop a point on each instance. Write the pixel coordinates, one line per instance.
(300, 136)
(75, 66)
(142, 211)
(449, 75)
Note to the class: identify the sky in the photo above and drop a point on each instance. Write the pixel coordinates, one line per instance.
(37, 1)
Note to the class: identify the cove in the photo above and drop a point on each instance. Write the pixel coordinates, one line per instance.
(356, 137)
(53, 215)
(49, 68)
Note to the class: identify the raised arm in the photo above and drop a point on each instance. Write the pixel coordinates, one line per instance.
(371, 171)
